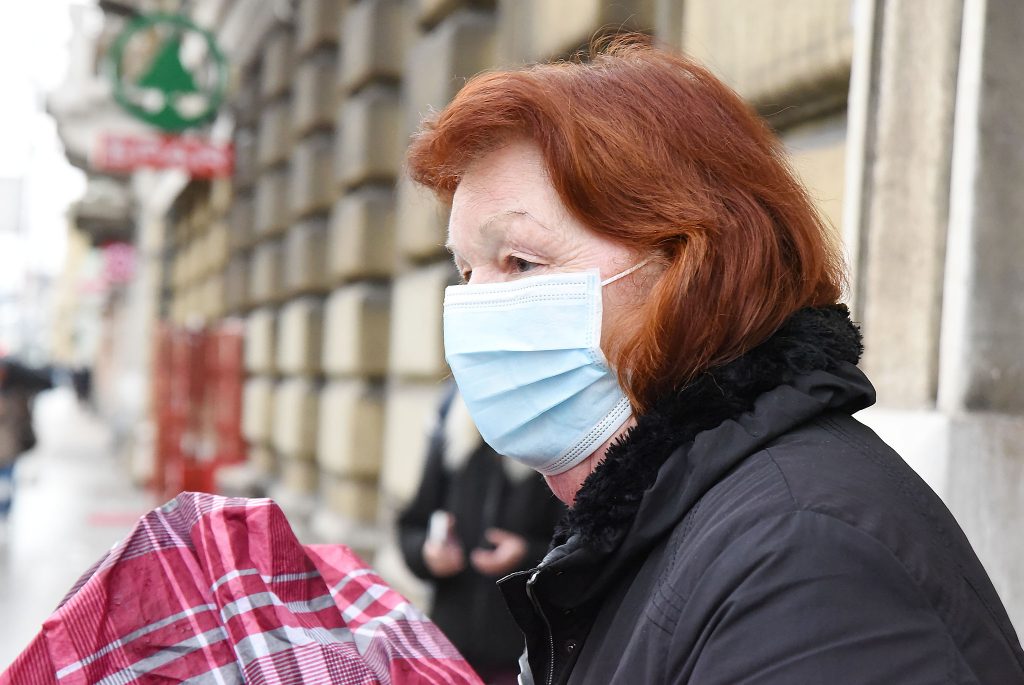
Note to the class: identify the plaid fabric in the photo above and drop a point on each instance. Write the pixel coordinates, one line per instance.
(209, 589)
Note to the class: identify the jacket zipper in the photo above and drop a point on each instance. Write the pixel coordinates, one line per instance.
(547, 625)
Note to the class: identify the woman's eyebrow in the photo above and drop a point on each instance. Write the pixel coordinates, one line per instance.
(488, 226)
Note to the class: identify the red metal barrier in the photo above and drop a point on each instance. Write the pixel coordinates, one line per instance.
(197, 384)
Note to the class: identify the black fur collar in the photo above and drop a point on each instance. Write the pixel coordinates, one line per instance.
(810, 340)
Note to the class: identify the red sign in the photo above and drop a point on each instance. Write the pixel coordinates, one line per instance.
(200, 158)
(118, 263)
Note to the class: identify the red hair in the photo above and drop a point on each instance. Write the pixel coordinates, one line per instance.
(649, 149)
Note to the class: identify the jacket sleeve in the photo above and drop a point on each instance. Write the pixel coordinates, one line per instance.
(415, 518)
(807, 598)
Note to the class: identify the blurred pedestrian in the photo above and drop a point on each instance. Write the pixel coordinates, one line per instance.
(81, 382)
(474, 519)
(651, 318)
(19, 386)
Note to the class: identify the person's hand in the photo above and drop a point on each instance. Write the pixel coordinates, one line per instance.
(509, 550)
(444, 559)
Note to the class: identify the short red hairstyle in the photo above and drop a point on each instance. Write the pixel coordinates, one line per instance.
(649, 149)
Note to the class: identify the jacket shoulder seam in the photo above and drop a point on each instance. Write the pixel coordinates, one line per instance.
(785, 481)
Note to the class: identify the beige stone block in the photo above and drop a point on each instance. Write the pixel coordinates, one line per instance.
(260, 329)
(370, 145)
(236, 284)
(275, 137)
(246, 144)
(258, 409)
(417, 346)
(207, 254)
(265, 273)
(241, 218)
(218, 246)
(305, 256)
(178, 270)
(271, 203)
(353, 499)
(361, 235)
(538, 30)
(295, 418)
(780, 53)
(429, 12)
(197, 258)
(300, 477)
(375, 33)
(193, 262)
(245, 97)
(422, 222)
(356, 331)
(221, 195)
(212, 293)
(317, 24)
(818, 155)
(200, 216)
(278, 62)
(198, 303)
(299, 336)
(311, 183)
(316, 99)
(183, 301)
(182, 266)
(263, 461)
(350, 429)
(440, 62)
(409, 414)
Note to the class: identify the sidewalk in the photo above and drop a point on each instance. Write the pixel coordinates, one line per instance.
(72, 502)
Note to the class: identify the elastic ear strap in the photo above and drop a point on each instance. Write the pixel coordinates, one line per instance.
(625, 273)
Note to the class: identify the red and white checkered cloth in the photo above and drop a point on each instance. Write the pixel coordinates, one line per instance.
(210, 589)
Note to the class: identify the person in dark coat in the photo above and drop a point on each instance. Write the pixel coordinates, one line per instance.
(19, 385)
(650, 317)
(497, 518)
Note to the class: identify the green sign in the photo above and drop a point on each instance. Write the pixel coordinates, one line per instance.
(165, 92)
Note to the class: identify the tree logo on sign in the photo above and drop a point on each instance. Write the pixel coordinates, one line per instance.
(168, 72)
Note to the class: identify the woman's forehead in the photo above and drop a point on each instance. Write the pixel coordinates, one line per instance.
(516, 226)
(511, 178)
(505, 192)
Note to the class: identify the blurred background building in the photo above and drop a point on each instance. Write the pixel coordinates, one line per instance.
(278, 331)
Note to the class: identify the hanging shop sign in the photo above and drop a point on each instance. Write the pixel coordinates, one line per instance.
(118, 263)
(169, 73)
(119, 153)
(181, 81)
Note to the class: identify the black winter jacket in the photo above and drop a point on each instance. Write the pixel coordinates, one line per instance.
(748, 530)
(481, 492)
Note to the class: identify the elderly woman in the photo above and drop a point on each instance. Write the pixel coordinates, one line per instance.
(650, 319)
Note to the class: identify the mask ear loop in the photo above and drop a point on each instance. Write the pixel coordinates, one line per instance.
(625, 273)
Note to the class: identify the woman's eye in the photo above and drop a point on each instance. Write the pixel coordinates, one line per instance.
(521, 265)
(466, 275)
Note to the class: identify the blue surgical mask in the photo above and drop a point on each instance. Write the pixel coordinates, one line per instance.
(527, 358)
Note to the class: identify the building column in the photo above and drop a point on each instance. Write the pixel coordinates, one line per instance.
(981, 380)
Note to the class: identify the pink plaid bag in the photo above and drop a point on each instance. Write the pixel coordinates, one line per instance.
(210, 589)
